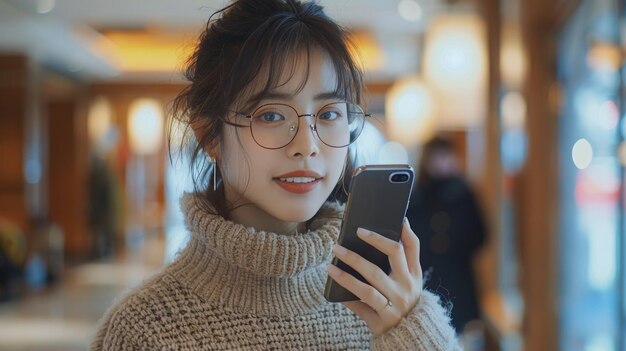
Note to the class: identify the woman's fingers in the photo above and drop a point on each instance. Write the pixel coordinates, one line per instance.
(411, 245)
(365, 292)
(393, 249)
(371, 272)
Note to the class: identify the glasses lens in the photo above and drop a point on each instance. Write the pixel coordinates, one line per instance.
(274, 125)
(340, 124)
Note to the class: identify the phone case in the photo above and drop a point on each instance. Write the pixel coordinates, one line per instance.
(375, 203)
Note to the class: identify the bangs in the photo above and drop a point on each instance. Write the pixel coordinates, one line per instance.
(278, 49)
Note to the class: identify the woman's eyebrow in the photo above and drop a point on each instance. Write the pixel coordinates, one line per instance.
(286, 96)
(327, 96)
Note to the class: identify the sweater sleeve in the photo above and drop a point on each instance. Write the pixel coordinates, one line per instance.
(427, 327)
(115, 333)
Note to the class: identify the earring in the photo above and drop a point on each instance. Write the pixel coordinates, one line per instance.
(215, 176)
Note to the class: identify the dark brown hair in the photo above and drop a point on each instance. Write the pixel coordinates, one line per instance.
(248, 36)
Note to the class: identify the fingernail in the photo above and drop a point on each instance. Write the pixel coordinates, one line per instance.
(340, 250)
(332, 270)
(406, 220)
(363, 232)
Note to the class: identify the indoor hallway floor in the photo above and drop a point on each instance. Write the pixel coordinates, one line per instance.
(64, 317)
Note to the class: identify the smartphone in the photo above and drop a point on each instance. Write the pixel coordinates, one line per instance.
(378, 200)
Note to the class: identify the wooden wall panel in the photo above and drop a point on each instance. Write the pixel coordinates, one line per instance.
(68, 170)
(539, 212)
(13, 90)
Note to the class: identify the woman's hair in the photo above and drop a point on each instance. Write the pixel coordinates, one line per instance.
(250, 37)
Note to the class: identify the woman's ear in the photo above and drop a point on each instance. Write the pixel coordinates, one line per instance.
(214, 153)
(198, 130)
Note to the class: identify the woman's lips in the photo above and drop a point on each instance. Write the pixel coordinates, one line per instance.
(299, 182)
(298, 188)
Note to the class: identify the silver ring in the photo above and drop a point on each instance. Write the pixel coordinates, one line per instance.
(389, 304)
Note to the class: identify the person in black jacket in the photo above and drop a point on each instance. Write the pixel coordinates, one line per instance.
(446, 217)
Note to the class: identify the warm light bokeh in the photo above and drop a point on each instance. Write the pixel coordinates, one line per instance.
(149, 51)
(410, 111)
(455, 67)
(145, 126)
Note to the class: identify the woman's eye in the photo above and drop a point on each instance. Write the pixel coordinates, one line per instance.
(270, 117)
(329, 115)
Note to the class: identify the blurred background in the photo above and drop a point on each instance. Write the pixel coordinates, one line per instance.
(529, 93)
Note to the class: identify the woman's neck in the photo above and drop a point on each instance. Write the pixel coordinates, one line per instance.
(252, 216)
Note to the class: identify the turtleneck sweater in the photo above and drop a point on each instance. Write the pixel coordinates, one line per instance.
(237, 288)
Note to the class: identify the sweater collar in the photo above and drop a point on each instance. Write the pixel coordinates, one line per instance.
(256, 272)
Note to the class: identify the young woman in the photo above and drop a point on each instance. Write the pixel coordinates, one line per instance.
(274, 103)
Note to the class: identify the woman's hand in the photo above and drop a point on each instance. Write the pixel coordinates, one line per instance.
(389, 298)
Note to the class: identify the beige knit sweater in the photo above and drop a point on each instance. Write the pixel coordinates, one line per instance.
(234, 288)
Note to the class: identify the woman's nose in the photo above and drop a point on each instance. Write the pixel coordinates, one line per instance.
(306, 142)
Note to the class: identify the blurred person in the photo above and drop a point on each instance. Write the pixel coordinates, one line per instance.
(445, 215)
(273, 103)
(103, 205)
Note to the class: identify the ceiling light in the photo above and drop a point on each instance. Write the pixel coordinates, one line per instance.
(455, 67)
(149, 50)
(410, 10)
(45, 6)
(145, 126)
(582, 154)
(410, 110)
(513, 110)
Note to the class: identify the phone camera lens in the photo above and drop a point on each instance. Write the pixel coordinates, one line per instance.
(399, 178)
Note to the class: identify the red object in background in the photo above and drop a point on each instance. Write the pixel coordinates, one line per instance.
(592, 189)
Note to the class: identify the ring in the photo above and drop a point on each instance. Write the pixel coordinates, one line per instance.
(389, 304)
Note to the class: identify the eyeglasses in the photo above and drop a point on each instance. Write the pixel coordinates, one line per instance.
(274, 126)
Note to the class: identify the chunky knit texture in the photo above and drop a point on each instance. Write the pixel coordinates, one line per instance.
(235, 288)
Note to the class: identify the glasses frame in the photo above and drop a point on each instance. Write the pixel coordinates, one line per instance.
(312, 126)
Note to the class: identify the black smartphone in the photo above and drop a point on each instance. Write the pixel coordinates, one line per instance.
(378, 200)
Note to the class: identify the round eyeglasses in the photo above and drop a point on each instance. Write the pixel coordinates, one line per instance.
(274, 126)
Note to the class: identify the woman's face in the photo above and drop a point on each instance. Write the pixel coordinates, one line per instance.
(264, 177)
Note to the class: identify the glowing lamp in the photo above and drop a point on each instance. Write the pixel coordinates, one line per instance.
(455, 66)
(513, 62)
(410, 111)
(145, 126)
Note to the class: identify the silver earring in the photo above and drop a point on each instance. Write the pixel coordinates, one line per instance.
(214, 176)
